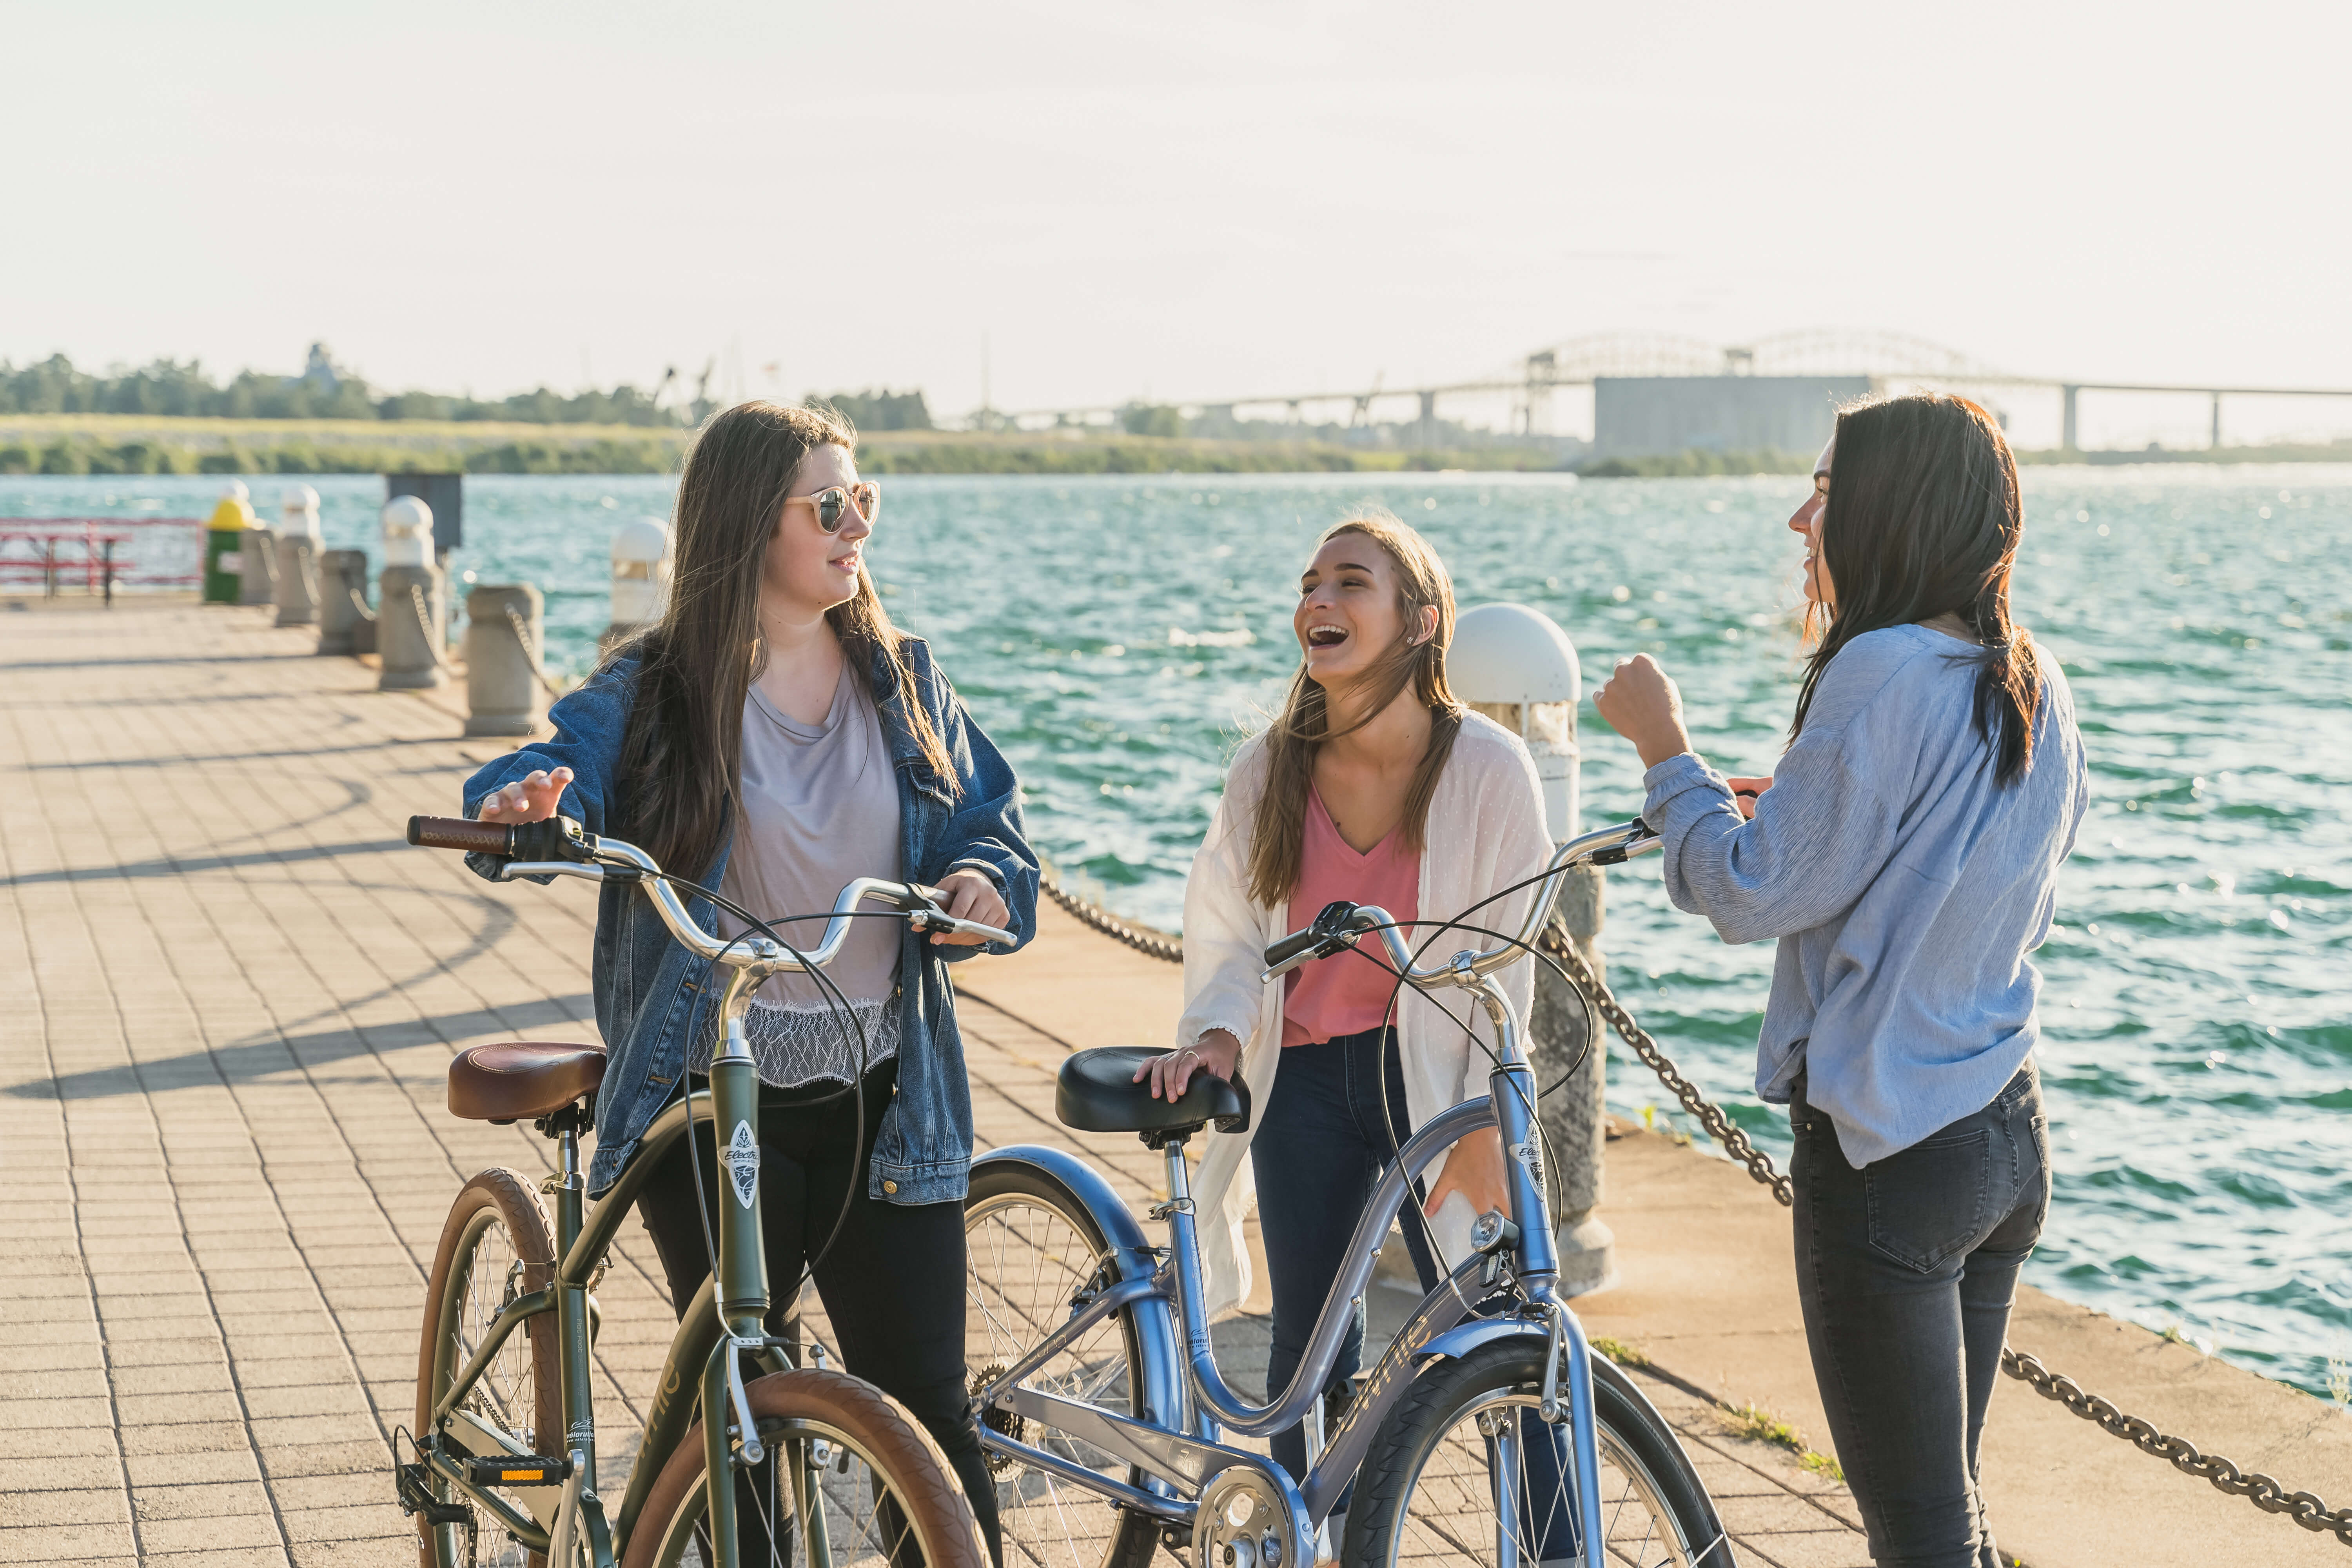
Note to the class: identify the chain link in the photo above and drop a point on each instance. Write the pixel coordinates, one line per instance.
(1150, 943)
(2305, 1509)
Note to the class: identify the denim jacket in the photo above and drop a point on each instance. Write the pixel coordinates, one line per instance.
(653, 996)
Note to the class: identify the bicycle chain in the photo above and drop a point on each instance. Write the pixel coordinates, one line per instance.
(2306, 1509)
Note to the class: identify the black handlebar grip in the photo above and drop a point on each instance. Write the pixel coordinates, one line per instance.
(461, 833)
(1291, 946)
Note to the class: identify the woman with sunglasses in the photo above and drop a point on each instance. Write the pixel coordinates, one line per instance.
(773, 737)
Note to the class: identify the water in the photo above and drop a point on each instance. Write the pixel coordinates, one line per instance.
(1116, 635)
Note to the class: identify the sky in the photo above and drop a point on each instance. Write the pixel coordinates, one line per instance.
(1093, 203)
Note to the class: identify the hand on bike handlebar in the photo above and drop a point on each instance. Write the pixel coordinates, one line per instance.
(971, 896)
(1746, 792)
(1475, 1169)
(533, 799)
(1215, 1052)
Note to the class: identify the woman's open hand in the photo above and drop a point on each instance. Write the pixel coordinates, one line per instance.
(971, 896)
(531, 799)
(1215, 1052)
(1475, 1169)
(1641, 703)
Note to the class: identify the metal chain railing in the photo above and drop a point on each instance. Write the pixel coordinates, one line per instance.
(425, 625)
(1150, 943)
(529, 648)
(2306, 1509)
(1719, 1127)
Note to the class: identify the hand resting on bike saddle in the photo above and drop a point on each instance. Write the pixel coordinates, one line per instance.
(1474, 1168)
(971, 896)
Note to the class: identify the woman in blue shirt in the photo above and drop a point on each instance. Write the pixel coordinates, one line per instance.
(1905, 856)
(772, 737)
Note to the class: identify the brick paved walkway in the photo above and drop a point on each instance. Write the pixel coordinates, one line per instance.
(231, 993)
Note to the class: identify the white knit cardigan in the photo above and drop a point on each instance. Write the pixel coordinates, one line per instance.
(1485, 831)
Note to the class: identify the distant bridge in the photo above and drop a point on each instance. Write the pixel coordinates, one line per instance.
(1886, 360)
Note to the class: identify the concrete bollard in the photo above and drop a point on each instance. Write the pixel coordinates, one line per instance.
(505, 631)
(1516, 666)
(640, 579)
(256, 552)
(346, 625)
(412, 626)
(298, 558)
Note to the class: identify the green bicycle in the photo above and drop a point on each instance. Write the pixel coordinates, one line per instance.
(504, 1465)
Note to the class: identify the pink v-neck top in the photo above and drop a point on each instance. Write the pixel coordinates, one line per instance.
(1344, 994)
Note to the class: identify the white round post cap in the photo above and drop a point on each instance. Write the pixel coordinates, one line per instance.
(1512, 653)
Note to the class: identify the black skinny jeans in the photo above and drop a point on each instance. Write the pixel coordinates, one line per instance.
(1321, 1143)
(893, 1282)
(1907, 1271)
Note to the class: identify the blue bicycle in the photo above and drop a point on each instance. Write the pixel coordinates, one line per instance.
(1488, 1433)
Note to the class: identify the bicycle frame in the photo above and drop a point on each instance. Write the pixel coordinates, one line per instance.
(727, 1319)
(1184, 1447)
(702, 1350)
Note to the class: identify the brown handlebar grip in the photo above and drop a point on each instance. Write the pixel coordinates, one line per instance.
(461, 833)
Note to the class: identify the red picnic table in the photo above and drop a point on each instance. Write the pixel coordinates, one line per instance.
(97, 548)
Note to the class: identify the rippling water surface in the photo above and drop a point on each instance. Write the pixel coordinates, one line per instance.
(1117, 635)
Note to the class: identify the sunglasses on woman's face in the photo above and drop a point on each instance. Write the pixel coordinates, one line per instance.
(835, 502)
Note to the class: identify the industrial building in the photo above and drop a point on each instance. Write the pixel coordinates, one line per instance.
(1636, 415)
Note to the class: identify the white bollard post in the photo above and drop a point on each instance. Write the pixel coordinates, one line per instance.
(640, 579)
(299, 547)
(505, 631)
(1516, 665)
(412, 617)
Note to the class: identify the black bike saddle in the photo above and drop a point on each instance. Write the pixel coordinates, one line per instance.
(1096, 1093)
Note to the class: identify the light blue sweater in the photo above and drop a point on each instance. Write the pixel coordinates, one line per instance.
(1905, 888)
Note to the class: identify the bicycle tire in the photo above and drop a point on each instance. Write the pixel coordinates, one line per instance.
(1046, 1520)
(813, 1405)
(1654, 1510)
(527, 1370)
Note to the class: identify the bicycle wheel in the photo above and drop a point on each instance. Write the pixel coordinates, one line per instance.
(885, 1494)
(1032, 1252)
(1432, 1485)
(494, 1248)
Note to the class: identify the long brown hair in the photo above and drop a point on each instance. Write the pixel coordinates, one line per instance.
(1924, 519)
(1298, 732)
(682, 755)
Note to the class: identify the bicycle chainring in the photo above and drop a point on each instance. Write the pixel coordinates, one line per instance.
(1004, 1423)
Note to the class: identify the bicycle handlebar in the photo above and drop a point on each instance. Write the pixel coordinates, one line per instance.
(1342, 925)
(557, 847)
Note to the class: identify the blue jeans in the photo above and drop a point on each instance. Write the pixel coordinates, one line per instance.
(1321, 1143)
(1907, 1271)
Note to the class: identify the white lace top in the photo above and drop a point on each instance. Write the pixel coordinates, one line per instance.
(820, 807)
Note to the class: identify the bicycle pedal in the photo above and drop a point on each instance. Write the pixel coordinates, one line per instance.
(517, 1470)
(415, 1484)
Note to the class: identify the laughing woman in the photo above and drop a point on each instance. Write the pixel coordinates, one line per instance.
(1376, 785)
(1906, 855)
